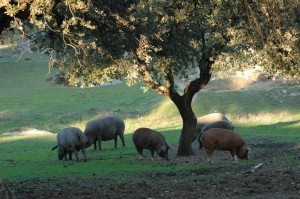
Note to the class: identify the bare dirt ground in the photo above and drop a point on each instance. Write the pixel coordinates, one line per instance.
(279, 177)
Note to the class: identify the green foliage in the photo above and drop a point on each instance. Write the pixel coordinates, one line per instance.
(268, 36)
(95, 41)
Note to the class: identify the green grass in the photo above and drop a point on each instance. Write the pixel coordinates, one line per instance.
(28, 100)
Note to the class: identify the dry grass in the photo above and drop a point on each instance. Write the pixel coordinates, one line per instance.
(262, 118)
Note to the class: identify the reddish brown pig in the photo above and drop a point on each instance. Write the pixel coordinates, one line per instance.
(225, 140)
(224, 124)
(145, 138)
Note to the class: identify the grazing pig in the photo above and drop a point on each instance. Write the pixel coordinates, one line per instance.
(224, 124)
(206, 119)
(104, 129)
(145, 138)
(70, 140)
(226, 140)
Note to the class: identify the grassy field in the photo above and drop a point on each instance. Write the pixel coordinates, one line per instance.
(28, 100)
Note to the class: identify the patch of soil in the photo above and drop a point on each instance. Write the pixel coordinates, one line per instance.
(279, 177)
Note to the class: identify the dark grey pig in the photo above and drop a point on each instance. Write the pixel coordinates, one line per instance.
(225, 140)
(104, 129)
(145, 138)
(70, 140)
(209, 118)
(206, 119)
(224, 124)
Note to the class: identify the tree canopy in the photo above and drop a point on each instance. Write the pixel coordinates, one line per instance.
(158, 41)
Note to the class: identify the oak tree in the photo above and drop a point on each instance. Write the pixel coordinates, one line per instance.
(159, 42)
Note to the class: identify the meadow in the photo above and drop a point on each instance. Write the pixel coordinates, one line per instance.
(27, 99)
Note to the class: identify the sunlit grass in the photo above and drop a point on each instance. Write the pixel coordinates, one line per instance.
(267, 118)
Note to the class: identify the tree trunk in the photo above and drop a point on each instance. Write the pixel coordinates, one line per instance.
(184, 105)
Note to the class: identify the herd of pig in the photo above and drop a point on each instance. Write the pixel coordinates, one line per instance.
(214, 132)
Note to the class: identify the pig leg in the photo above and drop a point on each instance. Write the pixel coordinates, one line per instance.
(209, 153)
(65, 155)
(84, 154)
(99, 143)
(95, 144)
(235, 158)
(122, 139)
(76, 155)
(152, 155)
(233, 155)
(70, 155)
(140, 151)
(200, 143)
(116, 141)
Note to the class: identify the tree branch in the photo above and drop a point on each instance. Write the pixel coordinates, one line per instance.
(204, 65)
(170, 84)
(143, 59)
(145, 73)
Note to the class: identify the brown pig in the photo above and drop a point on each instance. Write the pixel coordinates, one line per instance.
(224, 124)
(225, 140)
(145, 138)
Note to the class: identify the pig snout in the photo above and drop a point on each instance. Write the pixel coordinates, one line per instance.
(243, 153)
(163, 152)
(164, 155)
